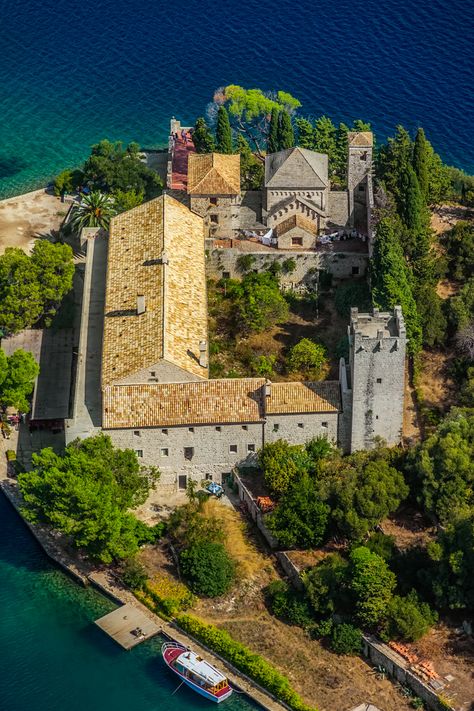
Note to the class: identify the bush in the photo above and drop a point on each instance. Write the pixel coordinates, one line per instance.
(307, 357)
(245, 263)
(283, 463)
(209, 568)
(288, 266)
(346, 639)
(288, 605)
(352, 294)
(167, 596)
(244, 659)
(11, 455)
(133, 574)
(409, 619)
(323, 628)
(301, 518)
(372, 584)
(381, 544)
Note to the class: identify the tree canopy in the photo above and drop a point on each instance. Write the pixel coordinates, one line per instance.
(17, 378)
(94, 210)
(208, 567)
(259, 302)
(283, 463)
(309, 358)
(202, 137)
(372, 585)
(31, 287)
(86, 494)
(223, 132)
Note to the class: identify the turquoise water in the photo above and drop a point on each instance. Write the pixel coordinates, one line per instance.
(75, 72)
(53, 658)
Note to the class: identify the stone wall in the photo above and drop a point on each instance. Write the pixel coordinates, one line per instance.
(212, 456)
(299, 429)
(342, 265)
(225, 209)
(246, 497)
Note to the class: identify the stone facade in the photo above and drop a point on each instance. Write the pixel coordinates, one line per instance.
(221, 213)
(359, 180)
(377, 344)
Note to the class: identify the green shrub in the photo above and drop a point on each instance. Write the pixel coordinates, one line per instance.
(288, 266)
(323, 628)
(11, 455)
(288, 604)
(209, 568)
(346, 639)
(408, 618)
(381, 544)
(244, 659)
(352, 294)
(133, 574)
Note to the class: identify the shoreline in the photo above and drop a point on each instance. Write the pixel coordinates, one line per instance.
(103, 582)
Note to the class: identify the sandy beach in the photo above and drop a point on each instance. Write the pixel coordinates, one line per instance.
(25, 217)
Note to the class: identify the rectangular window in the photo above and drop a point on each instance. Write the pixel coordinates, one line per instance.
(153, 373)
(218, 429)
(325, 425)
(250, 448)
(139, 453)
(136, 433)
(379, 380)
(182, 482)
(245, 427)
(355, 270)
(297, 241)
(276, 427)
(226, 275)
(188, 452)
(190, 429)
(233, 448)
(300, 425)
(164, 451)
(213, 201)
(164, 431)
(214, 219)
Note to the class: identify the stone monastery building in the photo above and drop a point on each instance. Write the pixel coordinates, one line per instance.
(151, 329)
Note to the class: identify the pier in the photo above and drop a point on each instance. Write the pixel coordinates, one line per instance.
(128, 626)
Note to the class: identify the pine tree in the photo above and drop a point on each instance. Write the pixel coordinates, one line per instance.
(286, 136)
(305, 133)
(393, 160)
(325, 136)
(421, 161)
(202, 137)
(272, 142)
(251, 168)
(223, 132)
(341, 153)
(391, 280)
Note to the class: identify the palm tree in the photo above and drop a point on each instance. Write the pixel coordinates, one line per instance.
(95, 210)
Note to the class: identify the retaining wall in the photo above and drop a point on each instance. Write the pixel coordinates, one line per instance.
(254, 511)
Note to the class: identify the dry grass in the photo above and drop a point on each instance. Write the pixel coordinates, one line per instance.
(246, 555)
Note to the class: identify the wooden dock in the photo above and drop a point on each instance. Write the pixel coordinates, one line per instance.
(128, 626)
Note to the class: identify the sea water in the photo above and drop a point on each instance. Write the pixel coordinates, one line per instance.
(53, 657)
(74, 72)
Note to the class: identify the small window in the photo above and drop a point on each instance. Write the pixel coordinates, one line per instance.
(376, 417)
(233, 448)
(190, 429)
(164, 451)
(250, 448)
(188, 452)
(164, 431)
(325, 425)
(355, 270)
(153, 373)
(226, 275)
(182, 482)
(218, 429)
(136, 433)
(139, 453)
(361, 188)
(214, 219)
(297, 241)
(245, 427)
(379, 380)
(209, 477)
(301, 425)
(276, 427)
(213, 201)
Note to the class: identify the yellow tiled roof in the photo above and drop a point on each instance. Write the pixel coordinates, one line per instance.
(173, 404)
(361, 138)
(295, 221)
(287, 398)
(213, 174)
(175, 316)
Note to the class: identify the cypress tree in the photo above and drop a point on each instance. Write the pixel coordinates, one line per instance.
(412, 205)
(391, 280)
(305, 133)
(286, 136)
(272, 142)
(341, 154)
(202, 137)
(223, 132)
(421, 161)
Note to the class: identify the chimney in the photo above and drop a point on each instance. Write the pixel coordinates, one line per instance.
(164, 258)
(140, 304)
(380, 335)
(268, 388)
(203, 354)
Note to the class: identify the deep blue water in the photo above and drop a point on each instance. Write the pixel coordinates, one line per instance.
(73, 72)
(53, 658)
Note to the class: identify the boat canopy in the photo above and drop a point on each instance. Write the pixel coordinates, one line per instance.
(197, 665)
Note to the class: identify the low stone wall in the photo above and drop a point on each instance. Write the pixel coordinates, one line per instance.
(341, 264)
(290, 569)
(246, 497)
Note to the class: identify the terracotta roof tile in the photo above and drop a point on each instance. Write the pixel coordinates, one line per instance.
(213, 174)
(287, 398)
(174, 404)
(175, 316)
(361, 138)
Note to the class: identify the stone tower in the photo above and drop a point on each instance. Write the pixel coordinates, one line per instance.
(377, 346)
(359, 180)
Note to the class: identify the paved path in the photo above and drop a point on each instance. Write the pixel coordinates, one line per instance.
(179, 179)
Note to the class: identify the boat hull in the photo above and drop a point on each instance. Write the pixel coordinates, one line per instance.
(169, 656)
